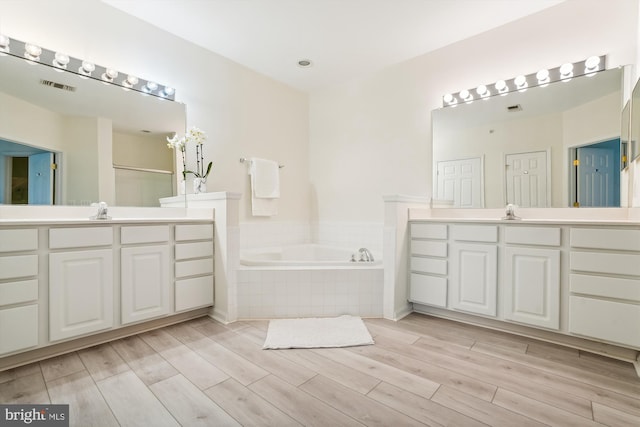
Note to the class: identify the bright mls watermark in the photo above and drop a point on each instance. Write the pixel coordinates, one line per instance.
(34, 415)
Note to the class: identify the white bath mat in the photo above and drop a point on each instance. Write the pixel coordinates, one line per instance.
(343, 331)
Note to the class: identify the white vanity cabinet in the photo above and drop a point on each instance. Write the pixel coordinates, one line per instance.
(531, 292)
(604, 302)
(18, 289)
(559, 281)
(145, 273)
(80, 281)
(428, 264)
(194, 266)
(474, 268)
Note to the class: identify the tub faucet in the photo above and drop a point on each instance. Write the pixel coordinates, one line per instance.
(365, 255)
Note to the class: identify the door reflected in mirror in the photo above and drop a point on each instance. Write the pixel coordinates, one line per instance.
(520, 148)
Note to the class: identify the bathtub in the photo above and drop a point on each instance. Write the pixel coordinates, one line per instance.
(307, 281)
(307, 255)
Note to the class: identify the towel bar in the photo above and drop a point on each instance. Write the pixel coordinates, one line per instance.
(243, 160)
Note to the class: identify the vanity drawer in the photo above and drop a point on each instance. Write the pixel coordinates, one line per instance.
(194, 250)
(429, 265)
(144, 234)
(194, 292)
(428, 290)
(608, 287)
(13, 338)
(429, 231)
(18, 292)
(602, 238)
(429, 248)
(607, 263)
(194, 267)
(194, 232)
(18, 240)
(18, 266)
(80, 237)
(607, 320)
(475, 233)
(543, 236)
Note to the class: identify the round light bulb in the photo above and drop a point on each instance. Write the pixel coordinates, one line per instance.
(482, 90)
(4, 43)
(60, 60)
(520, 81)
(86, 68)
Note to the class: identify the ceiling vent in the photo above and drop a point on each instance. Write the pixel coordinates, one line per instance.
(513, 108)
(57, 85)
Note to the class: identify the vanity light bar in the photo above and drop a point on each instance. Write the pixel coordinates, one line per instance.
(565, 72)
(84, 69)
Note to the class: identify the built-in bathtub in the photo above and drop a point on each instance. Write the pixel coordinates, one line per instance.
(307, 281)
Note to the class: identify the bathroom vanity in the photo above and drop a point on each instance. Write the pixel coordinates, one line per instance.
(67, 284)
(575, 282)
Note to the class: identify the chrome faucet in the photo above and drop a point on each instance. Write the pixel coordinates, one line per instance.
(365, 255)
(510, 214)
(102, 211)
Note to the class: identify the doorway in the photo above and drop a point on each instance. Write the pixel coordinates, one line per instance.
(596, 174)
(27, 175)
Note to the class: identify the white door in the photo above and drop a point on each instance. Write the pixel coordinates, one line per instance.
(146, 285)
(532, 288)
(80, 292)
(460, 181)
(526, 177)
(474, 278)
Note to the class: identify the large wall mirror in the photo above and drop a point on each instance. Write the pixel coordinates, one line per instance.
(106, 144)
(552, 146)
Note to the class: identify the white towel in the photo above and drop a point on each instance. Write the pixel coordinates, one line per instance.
(265, 187)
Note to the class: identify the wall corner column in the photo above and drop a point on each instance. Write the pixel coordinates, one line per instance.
(396, 253)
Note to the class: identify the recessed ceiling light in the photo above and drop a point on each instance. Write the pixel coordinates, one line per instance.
(305, 63)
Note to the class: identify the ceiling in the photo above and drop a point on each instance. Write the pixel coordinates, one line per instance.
(344, 39)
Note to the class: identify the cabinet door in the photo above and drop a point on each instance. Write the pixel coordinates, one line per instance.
(146, 285)
(532, 286)
(474, 278)
(80, 293)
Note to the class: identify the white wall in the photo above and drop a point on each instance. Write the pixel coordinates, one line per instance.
(244, 113)
(372, 136)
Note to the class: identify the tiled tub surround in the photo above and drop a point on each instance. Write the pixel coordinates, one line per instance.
(299, 291)
(310, 290)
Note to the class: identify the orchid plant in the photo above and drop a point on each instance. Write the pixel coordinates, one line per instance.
(196, 136)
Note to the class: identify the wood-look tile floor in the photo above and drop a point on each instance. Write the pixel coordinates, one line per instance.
(421, 371)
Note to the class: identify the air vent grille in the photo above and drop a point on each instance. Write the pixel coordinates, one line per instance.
(57, 85)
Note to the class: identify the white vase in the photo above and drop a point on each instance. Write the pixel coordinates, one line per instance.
(182, 187)
(199, 185)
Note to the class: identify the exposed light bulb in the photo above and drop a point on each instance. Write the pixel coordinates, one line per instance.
(109, 75)
(566, 72)
(466, 96)
(86, 68)
(521, 83)
(130, 81)
(149, 87)
(449, 99)
(60, 60)
(483, 91)
(543, 77)
(501, 87)
(167, 91)
(32, 52)
(591, 65)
